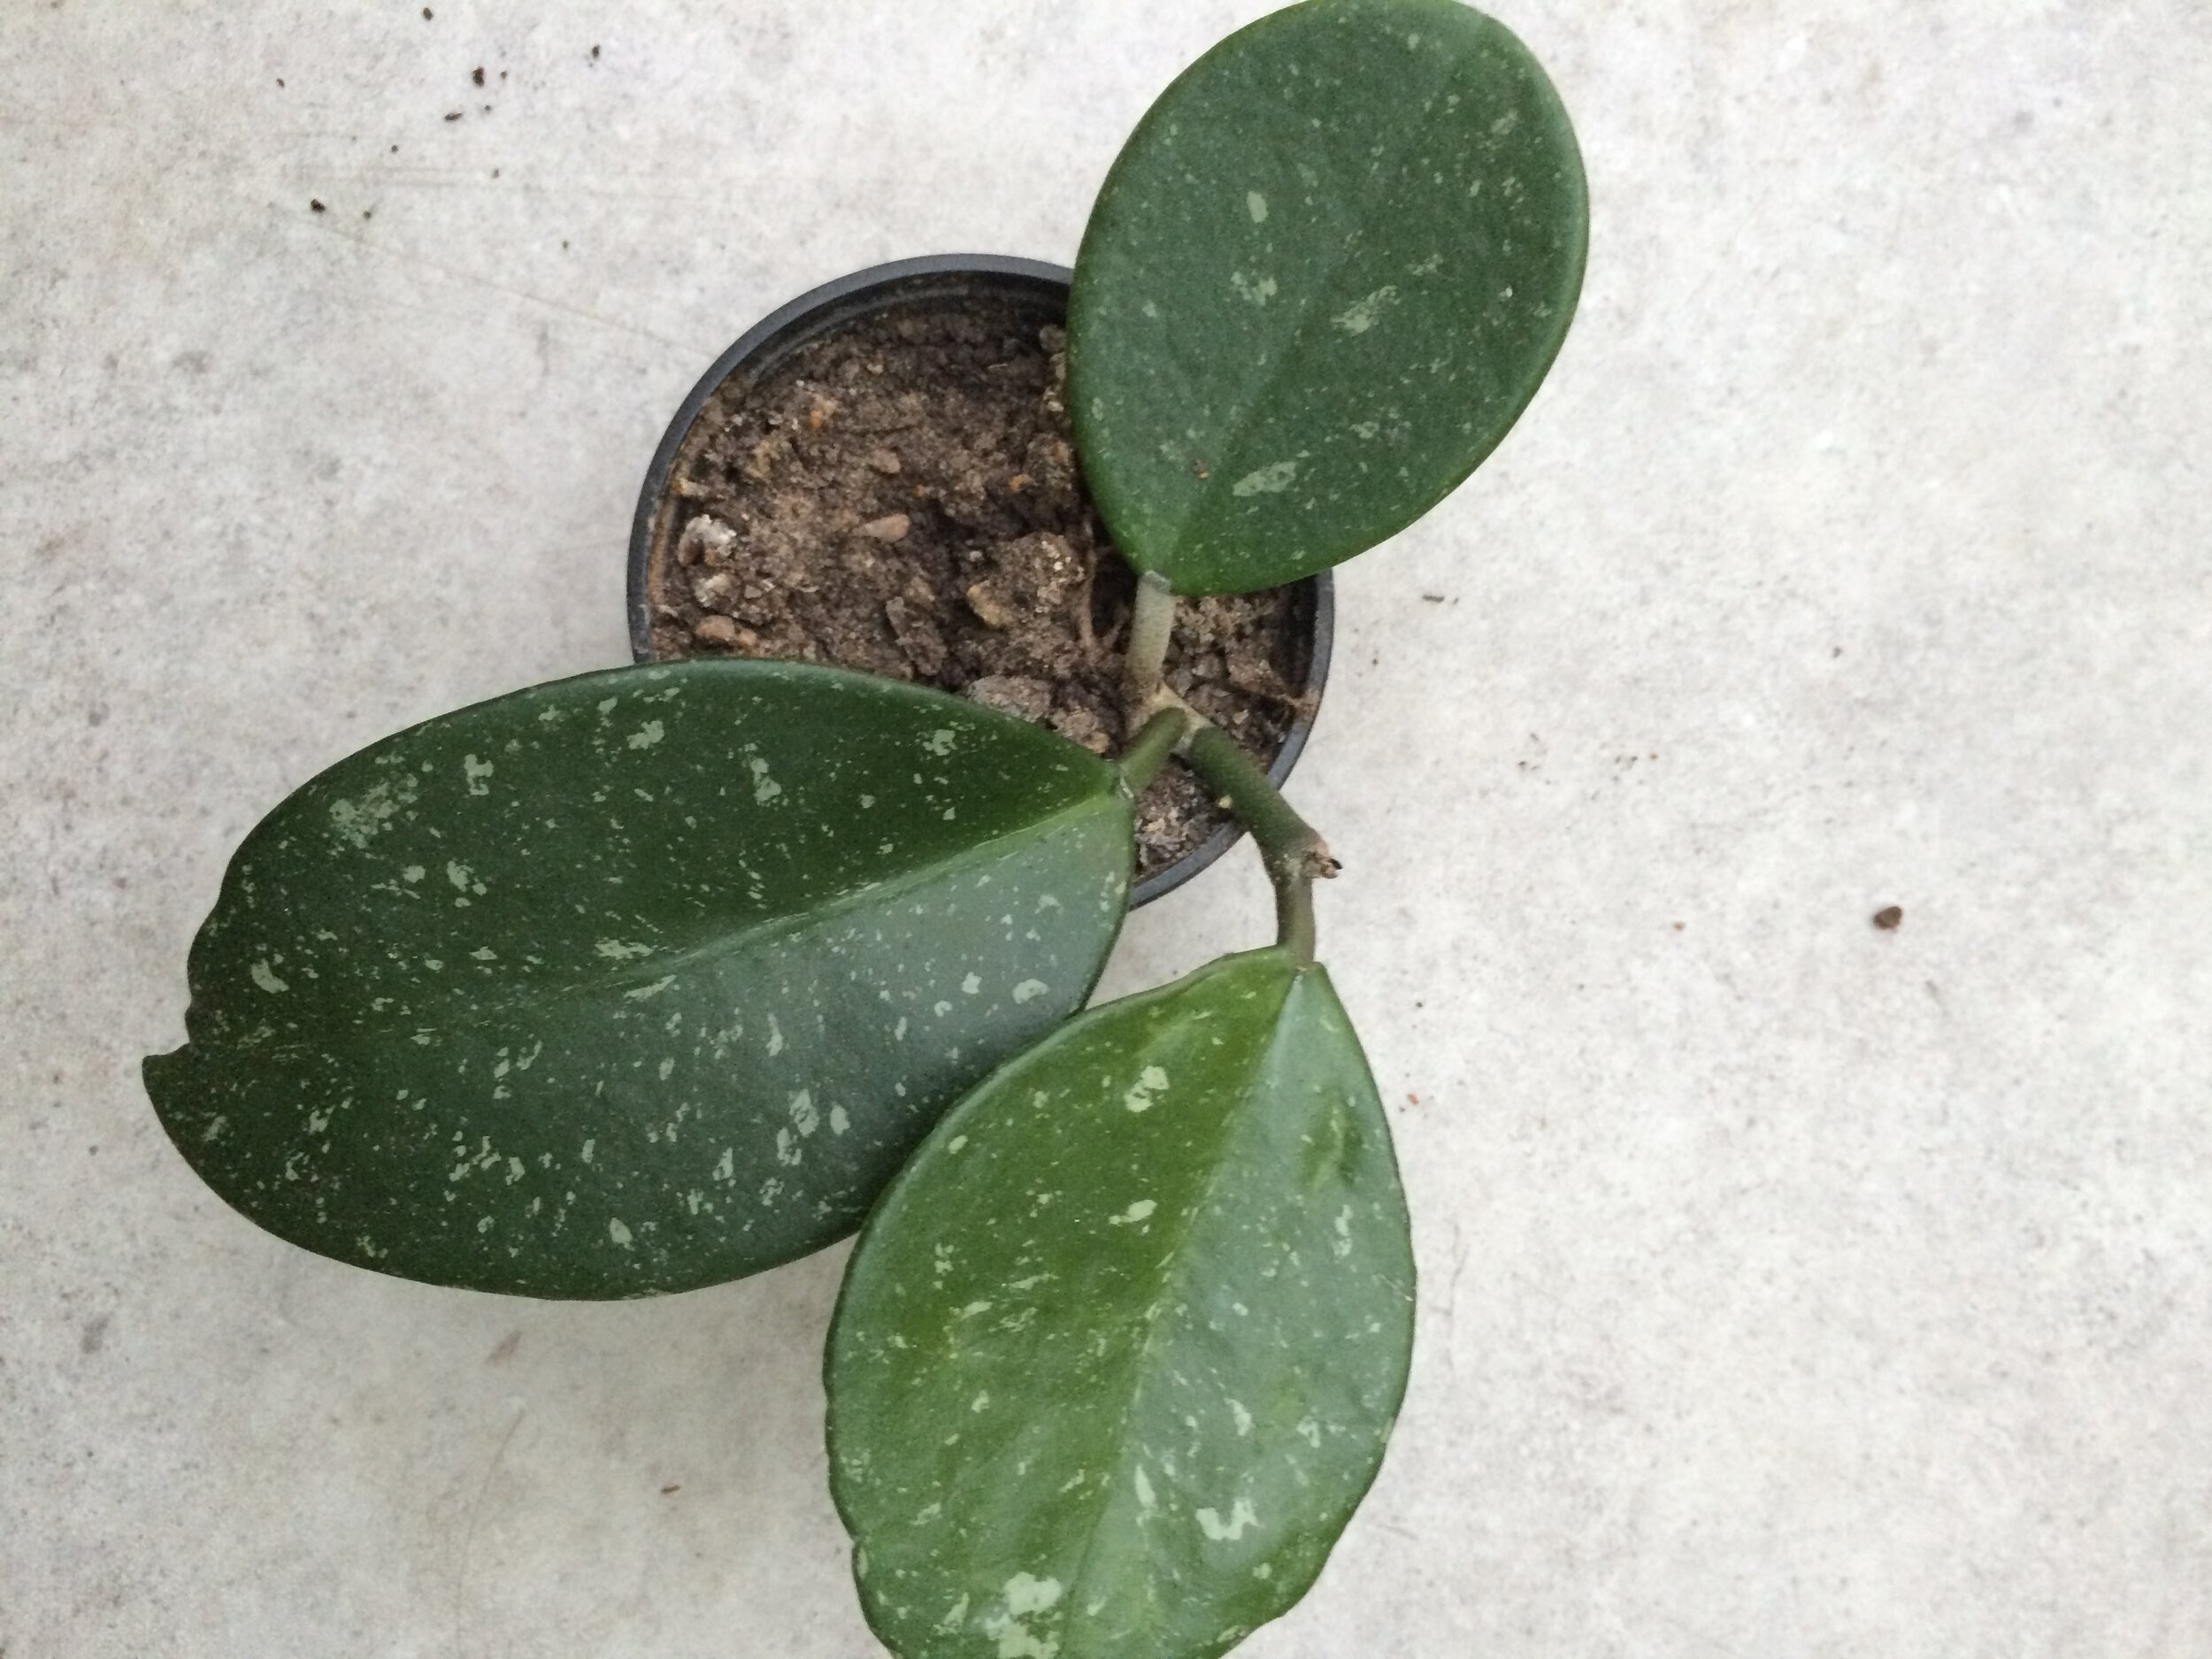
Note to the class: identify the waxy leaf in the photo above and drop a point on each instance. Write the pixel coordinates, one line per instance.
(637, 981)
(1321, 283)
(1119, 1351)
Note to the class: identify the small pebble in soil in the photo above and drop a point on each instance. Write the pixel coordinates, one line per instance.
(706, 540)
(1080, 726)
(1887, 918)
(892, 527)
(1020, 695)
(987, 609)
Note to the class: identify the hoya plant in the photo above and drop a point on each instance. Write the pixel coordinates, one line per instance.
(649, 979)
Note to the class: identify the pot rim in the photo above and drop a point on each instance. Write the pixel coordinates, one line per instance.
(821, 309)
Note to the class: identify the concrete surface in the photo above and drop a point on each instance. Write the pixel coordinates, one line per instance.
(1791, 1287)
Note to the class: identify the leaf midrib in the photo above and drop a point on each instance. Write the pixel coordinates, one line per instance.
(760, 932)
(1172, 1279)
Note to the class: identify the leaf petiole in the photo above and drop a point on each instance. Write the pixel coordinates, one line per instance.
(1151, 625)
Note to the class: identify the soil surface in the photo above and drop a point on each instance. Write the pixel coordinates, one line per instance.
(901, 496)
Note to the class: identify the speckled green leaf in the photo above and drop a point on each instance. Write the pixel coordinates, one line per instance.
(638, 981)
(1321, 282)
(1119, 1351)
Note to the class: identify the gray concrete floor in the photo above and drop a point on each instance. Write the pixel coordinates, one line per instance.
(1790, 1287)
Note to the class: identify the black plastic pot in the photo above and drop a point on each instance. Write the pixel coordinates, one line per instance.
(905, 282)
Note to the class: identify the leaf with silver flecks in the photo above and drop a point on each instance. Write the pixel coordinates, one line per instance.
(1321, 280)
(637, 981)
(1119, 1350)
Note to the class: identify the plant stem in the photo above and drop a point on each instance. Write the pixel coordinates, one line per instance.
(1293, 853)
(1151, 624)
(1149, 750)
(1289, 847)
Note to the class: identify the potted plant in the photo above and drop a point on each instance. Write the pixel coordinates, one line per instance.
(643, 980)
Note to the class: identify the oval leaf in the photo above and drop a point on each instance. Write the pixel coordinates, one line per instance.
(1323, 279)
(1119, 1351)
(637, 981)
